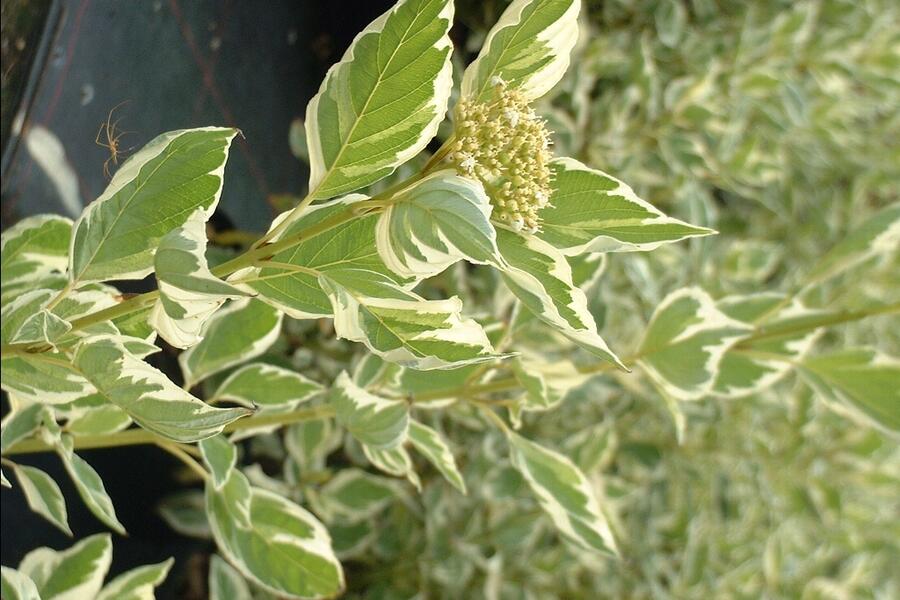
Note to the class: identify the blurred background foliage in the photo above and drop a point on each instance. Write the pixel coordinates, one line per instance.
(775, 123)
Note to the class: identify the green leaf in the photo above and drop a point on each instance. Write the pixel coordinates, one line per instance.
(879, 234)
(147, 395)
(564, 493)
(435, 223)
(154, 192)
(685, 341)
(432, 446)
(402, 327)
(17, 586)
(382, 103)
(671, 17)
(74, 573)
(264, 385)
(225, 583)
(137, 584)
(591, 211)
(44, 496)
(34, 254)
(239, 332)
(280, 547)
(220, 456)
(41, 327)
(46, 377)
(393, 461)
(755, 365)
(374, 421)
(19, 424)
(310, 442)
(188, 293)
(93, 415)
(354, 495)
(89, 485)
(185, 512)
(861, 383)
(539, 276)
(528, 48)
(293, 286)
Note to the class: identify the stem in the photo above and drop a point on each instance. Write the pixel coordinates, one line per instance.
(176, 451)
(136, 437)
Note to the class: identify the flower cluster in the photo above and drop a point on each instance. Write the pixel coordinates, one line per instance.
(505, 145)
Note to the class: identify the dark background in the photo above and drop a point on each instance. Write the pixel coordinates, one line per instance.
(177, 63)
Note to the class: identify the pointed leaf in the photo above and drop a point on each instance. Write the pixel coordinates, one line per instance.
(293, 285)
(565, 495)
(17, 586)
(541, 279)
(34, 254)
(879, 234)
(528, 48)
(861, 383)
(241, 331)
(44, 496)
(354, 495)
(591, 211)
(402, 327)
(225, 583)
(89, 485)
(374, 421)
(136, 584)
(382, 103)
(188, 293)
(432, 446)
(154, 192)
(19, 424)
(434, 223)
(393, 461)
(685, 341)
(147, 395)
(282, 548)
(220, 456)
(74, 573)
(264, 385)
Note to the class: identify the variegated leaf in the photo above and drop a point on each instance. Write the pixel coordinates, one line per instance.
(239, 332)
(685, 342)
(539, 276)
(154, 192)
(265, 386)
(19, 424)
(354, 495)
(401, 326)
(528, 48)
(44, 496)
(34, 254)
(878, 235)
(188, 293)
(89, 485)
(15, 585)
(309, 443)
(434, 223)
(268, 526)
(138, 583)
(565, 495)
(432, 446)
(382, 103)
(220, 456)
(74, 573)
(861, 383)
(393, 461)
(147, 395)
(374, 421)
(41, 327)
(591, 211)
(225, 583)
(292, 284)
(747, 368)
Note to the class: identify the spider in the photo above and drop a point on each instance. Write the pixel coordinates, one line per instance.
(112, 139)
